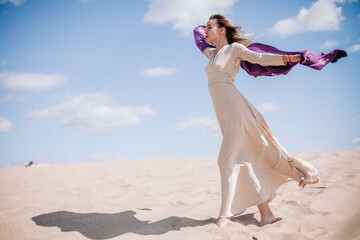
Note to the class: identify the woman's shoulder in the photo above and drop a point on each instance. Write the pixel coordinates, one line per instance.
(237, 45)
(209, 51)
(238, 48)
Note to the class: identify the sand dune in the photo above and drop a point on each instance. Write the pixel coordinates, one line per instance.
(172, 199)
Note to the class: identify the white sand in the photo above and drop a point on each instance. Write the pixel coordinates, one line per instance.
(172, 199)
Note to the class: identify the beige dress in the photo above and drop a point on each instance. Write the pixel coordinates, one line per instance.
(252, 162)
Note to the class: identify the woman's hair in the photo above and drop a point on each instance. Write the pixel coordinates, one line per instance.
(233, 33)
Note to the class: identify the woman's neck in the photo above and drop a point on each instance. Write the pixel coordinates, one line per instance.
(220, 43)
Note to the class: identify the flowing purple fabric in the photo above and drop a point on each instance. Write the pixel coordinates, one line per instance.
(315, 61)
(200, 38)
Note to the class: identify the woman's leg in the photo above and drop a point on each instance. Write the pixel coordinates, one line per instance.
(267, 217)
(229, 171)
(226, 163)
(220, 222)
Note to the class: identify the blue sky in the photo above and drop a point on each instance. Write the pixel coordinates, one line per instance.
(108, 80)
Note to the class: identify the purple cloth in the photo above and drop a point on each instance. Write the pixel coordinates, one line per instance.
(315, 61)
(200, 38)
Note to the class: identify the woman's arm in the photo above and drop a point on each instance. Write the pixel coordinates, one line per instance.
(292, 58)
(200, 38)
(313, 60)
(265, 59)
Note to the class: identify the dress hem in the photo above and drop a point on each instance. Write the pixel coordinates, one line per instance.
(255, 204)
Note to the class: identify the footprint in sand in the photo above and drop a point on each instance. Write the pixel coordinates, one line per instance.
(315, 230)
(351, 176)
(308, 211)
(293, 203)
(322, 213)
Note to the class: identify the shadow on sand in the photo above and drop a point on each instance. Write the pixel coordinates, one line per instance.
(105, 226)
(246, 219)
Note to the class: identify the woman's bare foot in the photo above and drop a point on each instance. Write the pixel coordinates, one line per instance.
(267, 220)
(267, 217)
(222, 221)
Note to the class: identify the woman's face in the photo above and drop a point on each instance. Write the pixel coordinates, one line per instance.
(212, 31)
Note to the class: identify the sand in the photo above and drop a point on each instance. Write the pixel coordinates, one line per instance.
(172, 199)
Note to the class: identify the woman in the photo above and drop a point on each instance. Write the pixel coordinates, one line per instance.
(252, 162)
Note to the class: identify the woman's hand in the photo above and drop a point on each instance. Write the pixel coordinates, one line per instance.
(291, 58)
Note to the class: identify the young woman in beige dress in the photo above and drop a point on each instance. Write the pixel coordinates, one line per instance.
(252, 163)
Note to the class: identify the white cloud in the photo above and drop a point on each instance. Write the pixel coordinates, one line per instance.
(323, 15)
(94, 113)
(268, 107)
(30, 81)
(329, 44)
(5, 125)
(354, 141)
(203, 124)
(16, 2)
(157, 72)
(354, 48)
(185, 15)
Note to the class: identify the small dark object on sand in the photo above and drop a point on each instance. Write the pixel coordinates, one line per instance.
(29, 164)
(255, 238)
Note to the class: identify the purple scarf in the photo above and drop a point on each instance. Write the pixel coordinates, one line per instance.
(315, 61)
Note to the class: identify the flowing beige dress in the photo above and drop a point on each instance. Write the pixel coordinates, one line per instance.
(252, 163)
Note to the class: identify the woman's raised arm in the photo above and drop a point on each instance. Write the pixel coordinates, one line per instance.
(264, 59)
(292, 58)
(200, 38)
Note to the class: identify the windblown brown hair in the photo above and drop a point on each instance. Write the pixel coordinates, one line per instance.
(233, 32)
